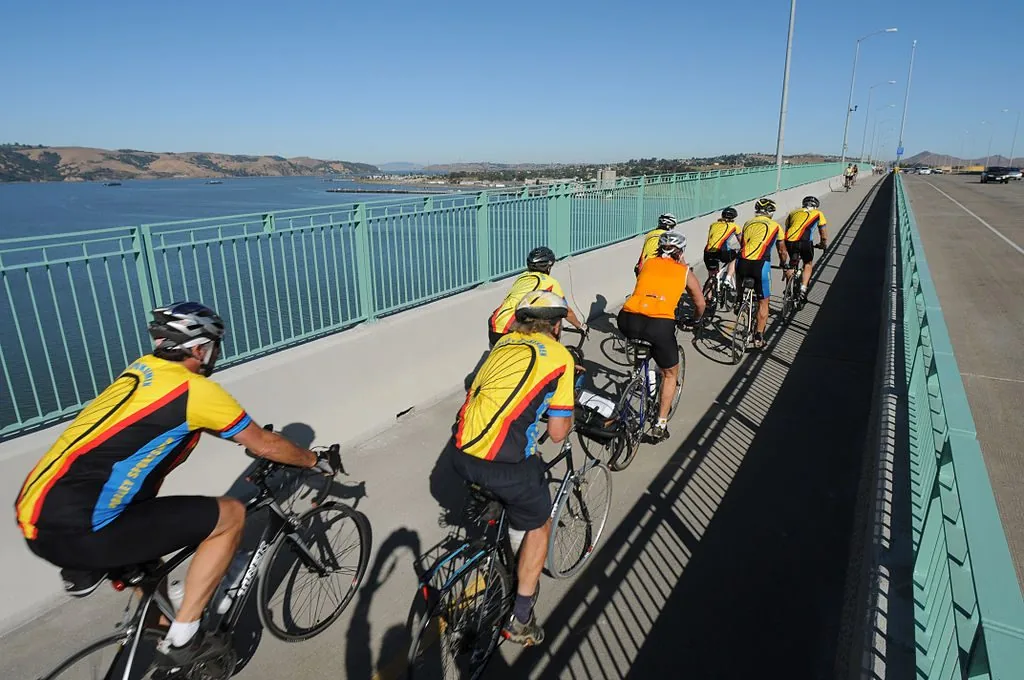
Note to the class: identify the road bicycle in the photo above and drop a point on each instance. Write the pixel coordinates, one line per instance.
(792, 300)
(296, 551)
(717, 293)
(468, 594)
(746, 318)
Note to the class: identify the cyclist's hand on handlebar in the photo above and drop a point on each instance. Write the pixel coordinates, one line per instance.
(328, 460)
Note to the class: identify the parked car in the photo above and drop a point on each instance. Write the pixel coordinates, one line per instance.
(996, 173)
(924, 171)
(1015, 173)
(937, 171)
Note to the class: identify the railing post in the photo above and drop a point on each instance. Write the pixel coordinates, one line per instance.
(553, 237)
(268, 223)
(483, 238)
(364, 270)
(639, 227)
(145, 265)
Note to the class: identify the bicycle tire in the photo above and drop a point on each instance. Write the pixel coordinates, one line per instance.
(582, 513)
(437, 628)
(267, 618)
(680, 381)
(788, 304)
(623, 449)
(114, 668)
(741, 331)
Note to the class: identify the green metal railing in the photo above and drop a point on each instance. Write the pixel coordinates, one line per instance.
(74, 306)
(968, 610)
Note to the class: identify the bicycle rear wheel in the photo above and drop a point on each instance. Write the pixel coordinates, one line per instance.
(741, 331)
(336, 537)
(788, 300)
(460, 632)
(578, 520)
(633, 402)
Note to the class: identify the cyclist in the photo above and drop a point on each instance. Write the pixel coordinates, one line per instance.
(536, 277)
(848, 176)
(527, 375)
(856, 171)
(801, 225)
(666, 221)
(723, 242)
(650, 313)
(759, 233)
(90, 505)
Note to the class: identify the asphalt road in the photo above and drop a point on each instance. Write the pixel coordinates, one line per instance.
(726, 549)
(977, 263)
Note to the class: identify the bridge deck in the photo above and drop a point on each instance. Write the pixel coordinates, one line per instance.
(727, 545)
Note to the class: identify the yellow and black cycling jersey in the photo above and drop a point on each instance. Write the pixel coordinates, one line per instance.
(719, 232)
(650, 248)
(803, 222)
(527, 282)
(524, 377)
(122, 445)
(757, 238)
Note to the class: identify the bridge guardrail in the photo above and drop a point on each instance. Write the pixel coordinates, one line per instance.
(968, 609)
(74, 306)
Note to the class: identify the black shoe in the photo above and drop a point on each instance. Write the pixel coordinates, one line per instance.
(202, 647)
(658, 434)
(758, 341)
(79, 582)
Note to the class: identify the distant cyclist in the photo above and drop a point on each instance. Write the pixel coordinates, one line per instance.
(755, 258)
(856, 171)
(801, 226)
(537, 277)
(723, 244)
(527, 375)
(650, 313)
(666, 221)
(90, 505)
(848, 176)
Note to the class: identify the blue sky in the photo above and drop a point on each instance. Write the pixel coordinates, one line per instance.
(528, 81)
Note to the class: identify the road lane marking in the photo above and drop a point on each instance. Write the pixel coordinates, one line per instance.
(992, 377)
(968, 211)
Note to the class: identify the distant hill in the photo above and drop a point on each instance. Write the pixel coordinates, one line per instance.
(929, 158)
(22, 163)
(400, 166)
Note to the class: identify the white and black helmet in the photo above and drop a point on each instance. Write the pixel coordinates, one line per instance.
(811, 202)
(672, 240)
(180, 326)
(667, 220)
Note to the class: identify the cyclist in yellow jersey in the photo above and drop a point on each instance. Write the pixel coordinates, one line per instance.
(755, 259)
(801, 226)
(527, 375)
(537, 277)
(666, 221)
(90, 505)
(723, 243)
(650, 313)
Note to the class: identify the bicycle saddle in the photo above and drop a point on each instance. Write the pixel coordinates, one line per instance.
(481, 504)
(748, 282)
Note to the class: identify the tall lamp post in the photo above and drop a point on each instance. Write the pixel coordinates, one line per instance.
(853, 81)
(874, 133)
(906, 101)
(1013, 144)
(785, 100)
(991, 136)
(867, 115)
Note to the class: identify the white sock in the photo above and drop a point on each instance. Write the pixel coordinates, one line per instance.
(663, 422)
(180, 633)
(803, 288)
(515, 537)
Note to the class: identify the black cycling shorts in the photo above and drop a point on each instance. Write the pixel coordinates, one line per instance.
(143, 532)
(661, 333)
(522, 487)
(800, 250)
(714, 259)
(760, 271)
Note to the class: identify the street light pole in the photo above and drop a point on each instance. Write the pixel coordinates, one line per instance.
(867, 116)
(1013, 144)
(785, 100)
(853, 81)
(906, 101)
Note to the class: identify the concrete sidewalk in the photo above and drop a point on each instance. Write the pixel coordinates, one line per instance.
(724, 555)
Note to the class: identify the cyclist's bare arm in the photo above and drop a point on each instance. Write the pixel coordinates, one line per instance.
(822, 235)
(783, 253)
(558, 428)
(696, 293)
(272, 446)
(573, 319)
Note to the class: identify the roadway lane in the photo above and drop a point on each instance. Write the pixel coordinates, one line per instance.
(980, 282)
(732, 535)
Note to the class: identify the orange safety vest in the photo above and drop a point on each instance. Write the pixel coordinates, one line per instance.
(658, 288)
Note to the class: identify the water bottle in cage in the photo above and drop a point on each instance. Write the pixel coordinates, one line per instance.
(652, 383)
(232, 579)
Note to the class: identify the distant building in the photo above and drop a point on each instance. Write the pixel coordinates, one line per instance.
(606, 179)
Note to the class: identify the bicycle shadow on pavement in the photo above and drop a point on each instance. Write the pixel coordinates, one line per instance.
(744, 534)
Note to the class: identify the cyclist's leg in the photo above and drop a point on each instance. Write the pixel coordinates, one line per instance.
(665, 352)
(212, 559)
(807, 254)
(763, 291)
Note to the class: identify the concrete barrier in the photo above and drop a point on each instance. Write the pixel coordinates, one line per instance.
(346, 388)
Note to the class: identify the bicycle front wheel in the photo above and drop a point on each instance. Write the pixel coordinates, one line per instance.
(461, 630)
(313, 572)
(578, 520)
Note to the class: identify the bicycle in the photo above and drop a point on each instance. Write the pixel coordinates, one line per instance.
(745, 320)
(469, 592)
(715, 289)
(847, 182)
(792, 299)
(289, 542)
(639, 404)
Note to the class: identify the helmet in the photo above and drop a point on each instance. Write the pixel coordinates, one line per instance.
(667, 221)
(764, 205)
(541, 304)
(540, 259)
(672, 240)
(729, 214)
(811, 202)
(183, 325)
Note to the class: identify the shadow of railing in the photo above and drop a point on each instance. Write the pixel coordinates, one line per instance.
(732, 564)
